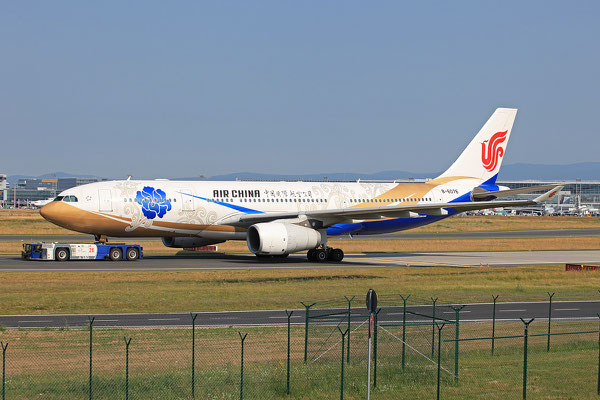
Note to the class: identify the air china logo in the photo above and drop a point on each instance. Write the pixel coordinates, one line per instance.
(154, 202)
(491, 154)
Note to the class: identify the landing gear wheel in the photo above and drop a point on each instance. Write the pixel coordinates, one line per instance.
(116, 254)
(132, 254)
(61, 254)
(336, 255)
(311, 255)
(320, 255)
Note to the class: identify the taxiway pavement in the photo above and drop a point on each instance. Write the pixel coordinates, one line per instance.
(561, 310)
(212, 262)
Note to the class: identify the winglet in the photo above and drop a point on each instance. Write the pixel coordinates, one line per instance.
(548, 195)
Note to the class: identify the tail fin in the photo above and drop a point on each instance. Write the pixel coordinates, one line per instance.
(483, 156)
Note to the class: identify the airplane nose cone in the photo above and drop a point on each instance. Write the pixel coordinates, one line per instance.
(56, 212)
(48, 211)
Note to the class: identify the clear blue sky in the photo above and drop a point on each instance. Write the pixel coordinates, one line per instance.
(168, 89)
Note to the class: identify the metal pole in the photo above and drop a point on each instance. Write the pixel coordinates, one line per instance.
(549, 318)
(369, 358)
(307, 307)
(243, 338)
(127, 342)
(342, 371)
(439, 358)
(598, 354)
(289, 316)
(404, 329)
(91, 320)
(4, 347)
(433, 327)
(375, 348)
(525, 337)
(194, 316)
(457, 321)
(349, 300)
(494, 322)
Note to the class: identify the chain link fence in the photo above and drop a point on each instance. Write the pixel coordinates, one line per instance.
(419, 352)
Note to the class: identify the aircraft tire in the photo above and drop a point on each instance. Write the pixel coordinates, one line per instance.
(337, 255)
(311, 255)
(320, 255)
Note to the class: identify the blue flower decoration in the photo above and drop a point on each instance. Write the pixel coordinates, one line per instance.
(153, 201)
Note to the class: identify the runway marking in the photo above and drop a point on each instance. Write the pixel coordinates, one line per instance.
(293, 316)
(408, 263)
(566, 309)
(107, 320)
(512, 310)
(454, 312)
(30, 322)
(164, 319)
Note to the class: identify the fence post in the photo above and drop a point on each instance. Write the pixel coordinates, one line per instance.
(289, 316)
(4, 347)
(404, 299)
(243, 338)
(494, 322)
(307, 308)
(457, 321)
(194, 316)
(342, 370)
(549, 318)
(349, 300)
(439, 358)
(375, 348)
(525, 337)
(127, 342)
(91, 320)
(598, 353)
(433, 327)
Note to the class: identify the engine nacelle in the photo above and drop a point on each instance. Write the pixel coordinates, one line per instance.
(188, 242)
(275, 238)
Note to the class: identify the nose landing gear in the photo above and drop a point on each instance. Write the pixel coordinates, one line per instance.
(325, 254)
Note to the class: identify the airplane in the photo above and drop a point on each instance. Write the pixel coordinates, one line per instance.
(279, 218)
(41, 203)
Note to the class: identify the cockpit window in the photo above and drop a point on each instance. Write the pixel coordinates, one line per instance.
(59, 198)
(70, 199)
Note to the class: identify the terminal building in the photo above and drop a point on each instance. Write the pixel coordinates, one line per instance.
(29, 190)
(586, 192)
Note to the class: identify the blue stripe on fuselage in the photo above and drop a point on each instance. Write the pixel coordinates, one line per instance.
(232, 206)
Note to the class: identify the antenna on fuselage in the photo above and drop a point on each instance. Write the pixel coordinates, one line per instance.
(128, 177)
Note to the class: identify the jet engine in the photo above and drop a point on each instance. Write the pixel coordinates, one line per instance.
(188, 242)
(276, 238)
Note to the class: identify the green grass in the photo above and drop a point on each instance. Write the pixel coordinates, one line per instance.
(183, 291)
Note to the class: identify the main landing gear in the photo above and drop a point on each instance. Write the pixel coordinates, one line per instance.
(325, 254)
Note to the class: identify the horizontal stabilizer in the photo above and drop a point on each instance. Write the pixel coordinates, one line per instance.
(480, 194)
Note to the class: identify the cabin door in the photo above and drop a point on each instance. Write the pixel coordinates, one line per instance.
(105, 200)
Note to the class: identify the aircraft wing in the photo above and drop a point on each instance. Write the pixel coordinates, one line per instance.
(335, 216)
